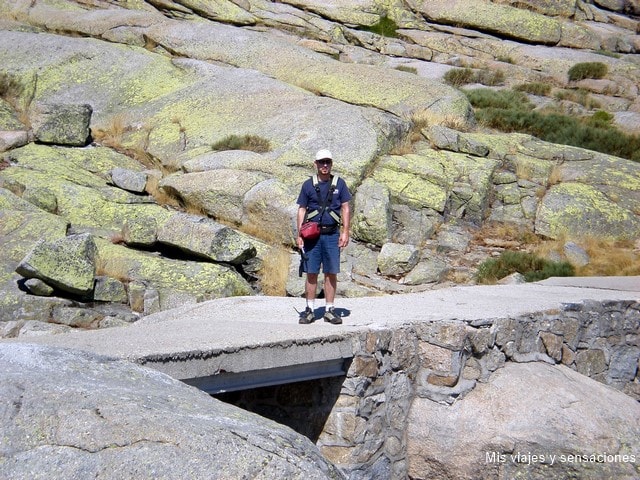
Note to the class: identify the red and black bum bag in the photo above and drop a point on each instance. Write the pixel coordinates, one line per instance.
(310, 230)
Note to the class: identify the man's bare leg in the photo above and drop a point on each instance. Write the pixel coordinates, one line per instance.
(330, 286)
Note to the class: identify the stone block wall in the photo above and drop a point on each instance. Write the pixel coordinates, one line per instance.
(443, 360)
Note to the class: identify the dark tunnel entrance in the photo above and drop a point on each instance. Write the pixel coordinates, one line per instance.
(300, 396)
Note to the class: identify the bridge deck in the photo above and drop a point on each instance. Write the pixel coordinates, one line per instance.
(249, 334)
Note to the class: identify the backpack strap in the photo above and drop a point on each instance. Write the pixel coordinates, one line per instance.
(332, 188)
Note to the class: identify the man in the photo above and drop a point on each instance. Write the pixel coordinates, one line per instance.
(326, 202)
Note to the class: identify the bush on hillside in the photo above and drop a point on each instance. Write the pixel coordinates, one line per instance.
(484, 98)
(243, 142)
(534, 88)
(462, 76)
(583, 70)
(510, 111)
(458, 76)
(533, 267)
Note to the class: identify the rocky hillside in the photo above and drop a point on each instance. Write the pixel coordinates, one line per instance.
(153, 151)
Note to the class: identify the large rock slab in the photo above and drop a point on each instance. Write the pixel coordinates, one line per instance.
(218, 193)
(68, 263)
(22, 225)
(61, 124)
(206, 238)
(495, 18)
(371, 221)
(584, 210)
(183, 106)
(175, 281)
(79, 180)
(69, 414)
(388, 90)
(528, 421)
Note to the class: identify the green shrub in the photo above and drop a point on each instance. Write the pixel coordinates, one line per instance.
(489, 77)
(405, 68)
(504, 59)
(600, 119)
(584, 70)
(581, 96)
(462, 76)
(243, 142)
(501, 99)
(385, 27)
(510, 111)
(535, 88)
(607, 53)
(459, 76)
(533, 268)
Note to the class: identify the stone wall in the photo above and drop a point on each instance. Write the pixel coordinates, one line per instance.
(443, 360)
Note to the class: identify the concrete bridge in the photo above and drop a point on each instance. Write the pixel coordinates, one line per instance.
(247, 342)
(350, 388)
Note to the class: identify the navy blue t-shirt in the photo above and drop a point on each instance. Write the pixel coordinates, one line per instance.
(308, 198)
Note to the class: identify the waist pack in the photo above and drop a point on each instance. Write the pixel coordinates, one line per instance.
(328, 229)
(310, 230)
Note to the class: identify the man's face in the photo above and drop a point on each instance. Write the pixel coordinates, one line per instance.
(324, 166)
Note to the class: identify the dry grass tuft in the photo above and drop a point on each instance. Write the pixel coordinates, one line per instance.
(113, 133)
(405, 147)
(608, 257)
(508, 234)
(275, 271)
(524, 170)
(113, 267)
(555, 176)
(116, 238)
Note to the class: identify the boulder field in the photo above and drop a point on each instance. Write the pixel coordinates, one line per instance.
(116, 120)
(151, 156)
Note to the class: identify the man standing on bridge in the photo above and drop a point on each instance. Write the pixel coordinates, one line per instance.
(324, 198)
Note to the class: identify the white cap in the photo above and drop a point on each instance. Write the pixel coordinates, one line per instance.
(324, 153)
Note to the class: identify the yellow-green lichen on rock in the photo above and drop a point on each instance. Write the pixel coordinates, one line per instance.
(221, 10)
(407, 187)
(577, 209)
(426, 179)
(388, 90)
(203, 280)
(493, 17)
(605, 170)
(8, 119)
(84, 70)
(20, 230)
(67, 263)
(87, 166)
(84, 199)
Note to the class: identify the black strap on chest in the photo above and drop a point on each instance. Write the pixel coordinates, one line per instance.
(327, 201)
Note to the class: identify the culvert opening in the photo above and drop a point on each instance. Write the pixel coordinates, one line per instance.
(298, 396)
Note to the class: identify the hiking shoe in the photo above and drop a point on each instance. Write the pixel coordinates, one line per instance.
(331, 317)
(307, 316)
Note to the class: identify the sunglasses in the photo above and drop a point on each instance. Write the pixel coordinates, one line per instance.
(324, 162)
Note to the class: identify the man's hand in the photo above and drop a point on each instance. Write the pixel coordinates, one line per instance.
(344, 239)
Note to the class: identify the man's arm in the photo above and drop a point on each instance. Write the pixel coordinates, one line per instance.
(300, 218)
(345, 215)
